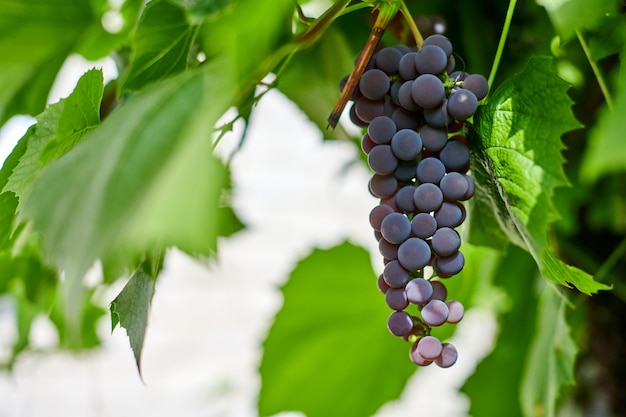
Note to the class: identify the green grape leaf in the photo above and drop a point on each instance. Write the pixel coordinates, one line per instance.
(160, 45)
(328, 352)
(330, 57)
(35, 39)
(59, 128)
(550, 362)
(572, 15)
(98, 41)
(130, 309)
(144, 179)
(518, 164)
(606, 152)
(8, 205)
(514, 276)
(204, 9)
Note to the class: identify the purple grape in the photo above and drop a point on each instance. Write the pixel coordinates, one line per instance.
(435, 313)
(428, 91)
(439, 291)
(383, 185)
(366, 110)
(458, 75)
(405, 97)
(378, 213)
(430, 170)
(381, 129)
(456, 311)
(418, 291)
(405, 119)
(356, 93)
(448, 356)
(450, 265)
(462, 104)
(431, 59)
(388, 250)
(395, 228)
(382, 284)
(416, 358)
(394, 90)
(454, 186)
(382, 160)
(354, 118)
(396, 299)
(414, 254)
(427, 197)
(400, 323)
(455, 155)
(407, 68)
(446, 241)
(367, 144)
(441, 41)
(429, 348)
(477, 84)
(450, 215)
(406, 144)
(374, 84)
(470, 188)
(433, 139)
(438, 116)
(451, 64)
(388, 60)
(404, 199)
(423, 225)
(395, 275)
(405, 172)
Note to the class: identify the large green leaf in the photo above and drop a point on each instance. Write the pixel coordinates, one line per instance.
(329, 352)
(518, 164)
(160, 45)
(568, 16)
(35, 38)
(144, 179)
(550, 361)
(59, 128)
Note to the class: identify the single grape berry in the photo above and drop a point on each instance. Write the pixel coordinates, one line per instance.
(435, 313)
(428, 91)
(400, 323)
(462, 104)
(395, 228)
(429, 347)
(431, 59)
(374, 84)
(381, 129)
(414, 254)
(448, 356)
(406, 144)
(418, 291)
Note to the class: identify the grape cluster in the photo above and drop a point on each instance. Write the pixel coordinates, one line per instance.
(414, 106)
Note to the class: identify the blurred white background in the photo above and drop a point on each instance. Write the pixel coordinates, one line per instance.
(294, 192)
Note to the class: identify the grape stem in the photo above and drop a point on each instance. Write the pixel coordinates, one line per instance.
(387, 10)
(611, 260)
(596, 70)
(419, 39)
(503, 36)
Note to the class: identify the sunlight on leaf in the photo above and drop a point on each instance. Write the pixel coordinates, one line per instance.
(518, 164)
(160, 45)
(329, 352)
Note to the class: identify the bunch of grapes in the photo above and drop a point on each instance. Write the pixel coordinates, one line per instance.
(414, 106)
